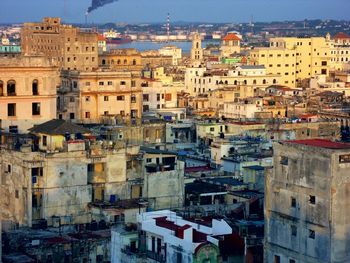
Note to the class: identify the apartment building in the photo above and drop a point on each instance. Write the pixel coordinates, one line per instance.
(248, 77)
(69, 47)
(306, 202)
(92, 97)
(294, 59)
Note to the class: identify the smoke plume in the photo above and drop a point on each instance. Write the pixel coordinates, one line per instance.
(95, 4)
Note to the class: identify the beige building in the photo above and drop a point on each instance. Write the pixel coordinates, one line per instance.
(121, 59)
(340, 50)
(231, 44)
(92, 97)
(174, 52)
(69, 47)
(28, 92)
(294, 59)
(306, 202)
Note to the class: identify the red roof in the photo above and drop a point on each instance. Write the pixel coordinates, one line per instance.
(101, 38)
(231, 36)
(321, 143)
(341, 35)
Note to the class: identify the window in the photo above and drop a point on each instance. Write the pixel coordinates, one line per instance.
(35, 88)
(293, 202)
(158, 97)
(120, 97)
(105, 98)
(35, 108)
(1, 88)
(178, 257)
(11, 109)
(133, 113)
(277, 259)
(44, 140)
(133, 83)
(312, 199)
(87, 115)
(133, 98)
(101, 83)
(71, 115)
(145, 97)
(87, 98)
(105, 113)
(291, 261)
(122, 83)
(284, 160)
(16, 194)
(87, 83)
(11, 88)
(110, 83)
(293, 230)
(311, 234)
(212, 129)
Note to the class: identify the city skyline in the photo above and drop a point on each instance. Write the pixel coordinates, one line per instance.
(182, 10)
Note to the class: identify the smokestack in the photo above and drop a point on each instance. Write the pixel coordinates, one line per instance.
(95, 4)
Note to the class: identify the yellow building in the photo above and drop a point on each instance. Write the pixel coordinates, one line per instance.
(294, 59)
(96, 96)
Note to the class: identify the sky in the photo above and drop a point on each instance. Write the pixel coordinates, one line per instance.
(139, 11)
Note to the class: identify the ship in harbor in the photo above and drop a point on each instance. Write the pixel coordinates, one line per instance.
(113, 37)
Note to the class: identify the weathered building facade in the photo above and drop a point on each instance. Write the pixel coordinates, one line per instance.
(69, 47)
(306, 202)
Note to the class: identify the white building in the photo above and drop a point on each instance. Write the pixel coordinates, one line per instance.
(172, 51)
(166, 237)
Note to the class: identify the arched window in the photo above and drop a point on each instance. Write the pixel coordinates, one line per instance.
(235, 82)
(245, 82)
(226, 82)
(112, 61)
(274, 81)
(125, 61)
(254, 81)
(103, 62)
(35, 87)
(118, 61)
(197, 45)
(264, 81)
(1, 88)
(11, 88)
(134, 62)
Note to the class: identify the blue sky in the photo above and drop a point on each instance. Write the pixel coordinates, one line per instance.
(133, 11)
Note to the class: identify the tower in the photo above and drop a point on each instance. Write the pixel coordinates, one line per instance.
(168, 27)
(196, 51)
